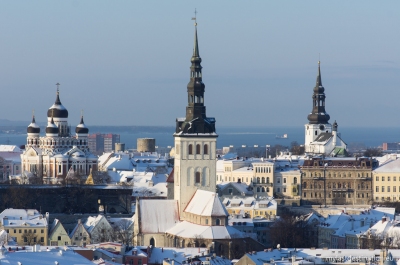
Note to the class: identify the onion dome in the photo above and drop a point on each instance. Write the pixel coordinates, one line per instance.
(57, 110)
(33, 127)
(81, 128)
(51, 127)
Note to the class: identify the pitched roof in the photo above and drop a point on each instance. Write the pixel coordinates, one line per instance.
(157, 216)
(206, 203)
(190, 230)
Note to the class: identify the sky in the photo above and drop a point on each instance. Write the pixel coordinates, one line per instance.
(127, 62)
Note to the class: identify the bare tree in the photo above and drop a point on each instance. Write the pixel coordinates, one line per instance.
(123, 231)
(29, 237)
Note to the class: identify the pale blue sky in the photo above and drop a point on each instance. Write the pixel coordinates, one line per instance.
(127, 62)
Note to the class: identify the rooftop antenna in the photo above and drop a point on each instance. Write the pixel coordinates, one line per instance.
(195, 17)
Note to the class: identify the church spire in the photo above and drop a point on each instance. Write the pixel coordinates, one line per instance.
(318, 114)
(196, 120)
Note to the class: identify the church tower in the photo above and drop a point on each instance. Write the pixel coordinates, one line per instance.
(318, 118)
(195, 140)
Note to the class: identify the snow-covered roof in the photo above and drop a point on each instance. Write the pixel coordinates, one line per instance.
(20, 214)
(10, 148)
(313, 256)
(177, 254)
(392, 166)
(49, 257)
(206, 203)
(157, 216)
(191, 230)
(239, 186)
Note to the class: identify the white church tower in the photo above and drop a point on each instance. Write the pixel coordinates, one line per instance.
(318, 118)
(195, 141)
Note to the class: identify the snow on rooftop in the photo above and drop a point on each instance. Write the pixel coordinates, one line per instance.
(190, 230)
(390, 167)
(206, 203)
(49, 257)
(157, 216)
(177, 254)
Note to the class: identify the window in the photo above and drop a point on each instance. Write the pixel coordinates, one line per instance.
(207, 221)
(383, 178)
(190, 149)
(383, 189)
(34, 239)
(295, 180)
(197, 149)
(388, 178)
(139, 262)
(284, 180)
(42, 231)
(197, 180)
(59, 238)
(84, 238)
(278, 180)
(206, 149)
(394, 178)
(394, 188)
(388, 188)
(25, 239)
(34, 231)
(218, 222)
(305, 195)
(377, 188)
(15, 231)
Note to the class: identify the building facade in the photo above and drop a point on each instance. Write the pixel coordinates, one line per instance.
(339, 180)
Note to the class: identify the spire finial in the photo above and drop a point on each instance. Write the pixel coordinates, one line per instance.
(58, 88)
(319, 80)
(195, 17)
(196, 43)
(33, 113)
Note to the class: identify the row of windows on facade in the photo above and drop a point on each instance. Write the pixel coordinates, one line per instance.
(34, 168)
(58, 143)
(196, 99)
(335, 185)
(19, 231)
(257, 180)
(334, 195)
(388, 178)
(320, 175)
(198, 149)
(387, 198)
(263, 170)
(387, 189)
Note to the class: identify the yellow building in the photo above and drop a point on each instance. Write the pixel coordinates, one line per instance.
(26, 227)
(251, 207)
(386, 181)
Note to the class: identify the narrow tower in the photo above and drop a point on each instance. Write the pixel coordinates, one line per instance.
(195, 140)
(318, 118)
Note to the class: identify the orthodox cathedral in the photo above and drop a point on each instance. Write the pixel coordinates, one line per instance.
(193, 216)
(53, 155)
(321, 138)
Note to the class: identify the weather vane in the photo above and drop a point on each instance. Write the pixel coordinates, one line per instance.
(195, 17)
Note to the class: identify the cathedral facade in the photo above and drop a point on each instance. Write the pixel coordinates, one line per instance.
(51, 156)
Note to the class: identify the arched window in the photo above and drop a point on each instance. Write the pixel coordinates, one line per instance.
(258, 189)
(190, 149)
(197, 178)
(152, 242)
(262, 189)
(267, 189)
(197, 149)
(262, 180)
(267, 179)
(258, 179)
(295, 180)
(304, 185)
(206, 149)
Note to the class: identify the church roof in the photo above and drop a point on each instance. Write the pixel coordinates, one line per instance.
(190, 230)
(323, 137)
(206, 203)
(157, 216)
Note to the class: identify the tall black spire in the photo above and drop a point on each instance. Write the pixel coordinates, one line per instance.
(196, 120)
(318, 114)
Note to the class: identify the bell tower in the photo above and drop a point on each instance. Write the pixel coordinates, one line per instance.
(318, 118)
(195, 140)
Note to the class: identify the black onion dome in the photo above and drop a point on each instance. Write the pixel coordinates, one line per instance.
(51, 127)
(33, 127)
(81, 128)
(57, 110)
